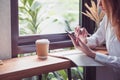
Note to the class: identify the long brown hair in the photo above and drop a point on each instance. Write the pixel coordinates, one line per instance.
(113, 13)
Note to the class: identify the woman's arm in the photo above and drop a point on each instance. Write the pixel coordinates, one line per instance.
(112, 61)
(99, 36)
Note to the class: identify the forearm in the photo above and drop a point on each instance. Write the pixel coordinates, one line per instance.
(112, 61)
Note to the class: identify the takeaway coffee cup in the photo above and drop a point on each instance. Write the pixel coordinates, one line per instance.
(42, 47)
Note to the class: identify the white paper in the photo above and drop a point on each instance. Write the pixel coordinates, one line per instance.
(77, 57)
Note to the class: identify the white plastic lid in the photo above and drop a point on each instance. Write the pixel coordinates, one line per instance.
(43, 41)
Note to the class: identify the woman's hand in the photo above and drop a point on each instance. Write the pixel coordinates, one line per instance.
(82, 46)
(81, 33)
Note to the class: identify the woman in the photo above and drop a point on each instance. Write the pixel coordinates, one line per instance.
(108, 31)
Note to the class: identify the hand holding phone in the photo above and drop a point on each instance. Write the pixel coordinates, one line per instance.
(71, 34)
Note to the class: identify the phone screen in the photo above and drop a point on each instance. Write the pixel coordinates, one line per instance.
(68, 32)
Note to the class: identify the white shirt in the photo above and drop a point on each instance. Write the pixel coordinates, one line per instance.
(106, 33)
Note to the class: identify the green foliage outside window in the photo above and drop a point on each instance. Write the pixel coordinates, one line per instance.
(37, 15)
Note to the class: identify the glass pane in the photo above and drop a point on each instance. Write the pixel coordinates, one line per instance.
(47, 16)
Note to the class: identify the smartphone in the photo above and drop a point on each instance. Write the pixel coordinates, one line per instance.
(70, 33)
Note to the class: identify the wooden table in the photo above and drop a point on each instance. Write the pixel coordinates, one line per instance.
(18, 68)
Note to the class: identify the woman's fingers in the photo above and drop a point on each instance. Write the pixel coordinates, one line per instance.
(75, 43)
(74, 40)
(85, 32)
(83, 45)
(81, 31)
(77, 31)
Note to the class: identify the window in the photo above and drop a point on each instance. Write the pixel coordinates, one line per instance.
(61, 19)
(23, 44)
